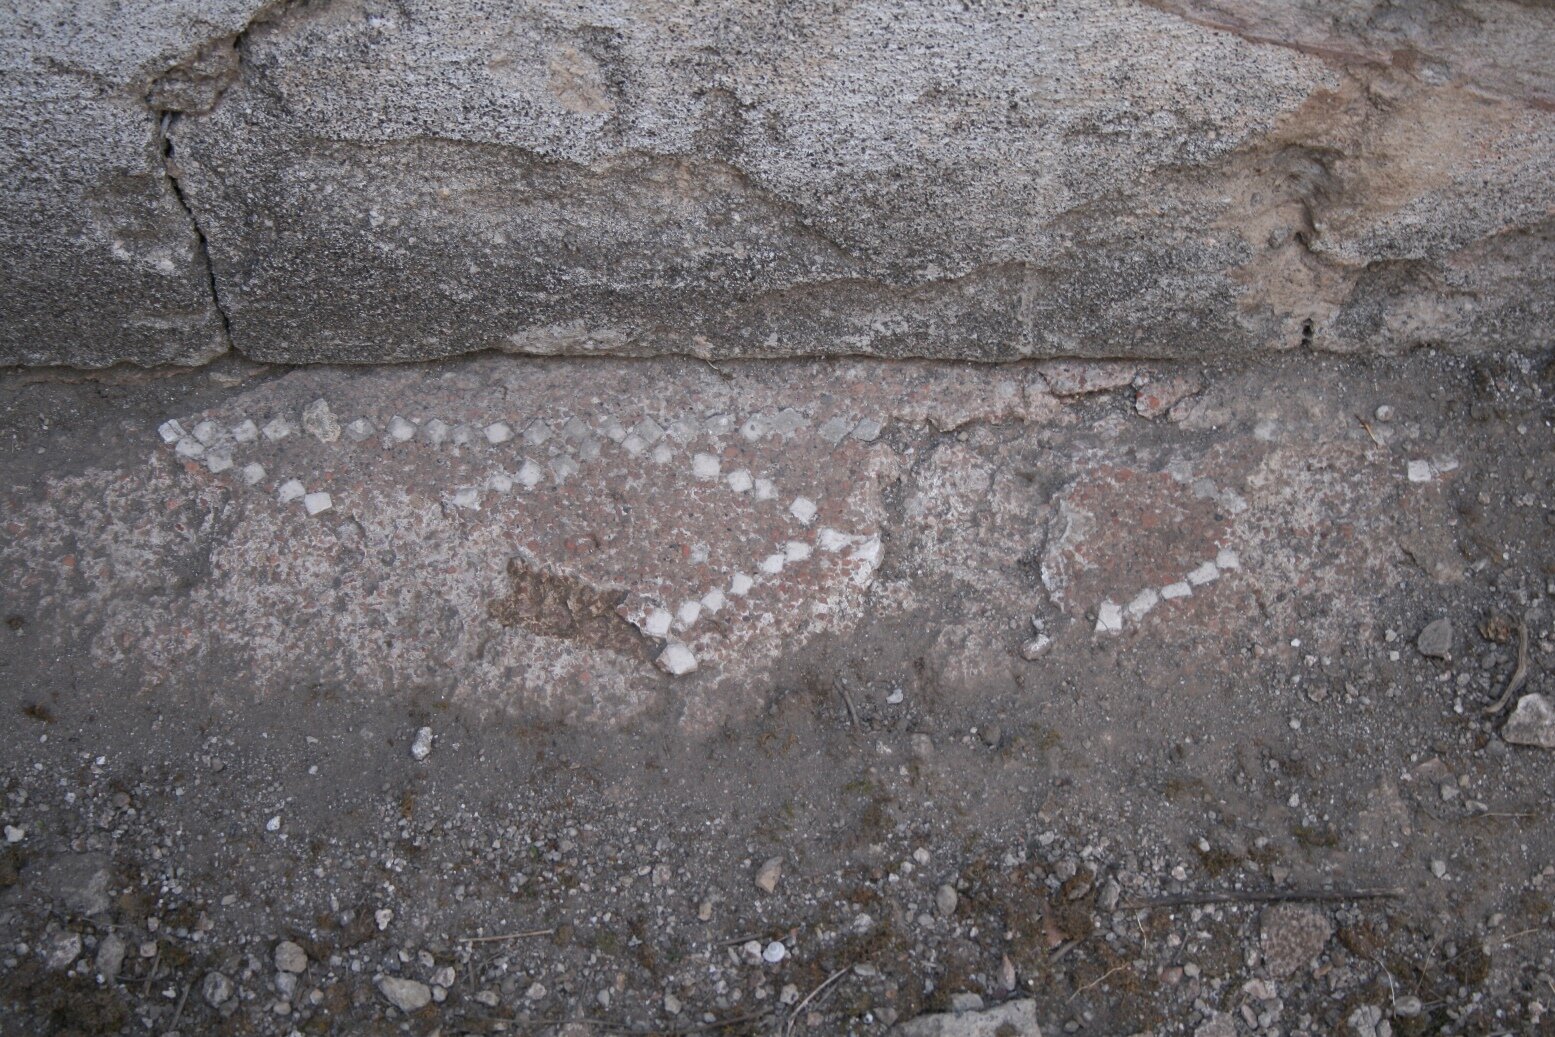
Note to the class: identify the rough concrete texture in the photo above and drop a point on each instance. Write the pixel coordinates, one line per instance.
(343, 700)
(368, 181)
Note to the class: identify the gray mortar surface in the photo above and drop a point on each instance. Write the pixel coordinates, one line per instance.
(211, 697)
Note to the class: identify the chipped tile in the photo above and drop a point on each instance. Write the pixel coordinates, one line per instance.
(315, 503)
(803, 509)
(360, 430)
(1206, 573)
(1173, 591)
(740, 585)
(245, 432)
(218, 459)
(740, 480)
(497, 433)
(835, 429)
(277, 429)
(1143, 602)
(400, 430)
(171, 431)
(466, 497)
(207, 432)
(290, 490)
(833, 540)
(705, 466)
(796, 550)
(537, 434)
(868, 430)
(563, 467)
(772, 564)
(648, 430)
(436, 431)
(253, 473)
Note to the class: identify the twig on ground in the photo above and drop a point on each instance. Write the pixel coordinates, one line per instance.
(507, 936)
(717, 1024)
(847, 700)
(793, 1016)
(1098, 980)
(1369, 431)
(156, 960)
(1237, 896)
(1519, 675)
(179, 1011)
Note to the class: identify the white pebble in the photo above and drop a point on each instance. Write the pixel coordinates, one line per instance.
(189, 447)
(383, 916)
(274, 824)
(803, 509)
(740, 480)
(714, 600)
(529, 475)
(657, 623)
(290, 490)
(498, 432)
(245, 431)
(676, 659)
(207, 432)
(1419, 471)
(317, 502)
(436, 431)
(772, 564)
(13, 834)
(499, 483)
(705, 466)
(774, 953)
(218, 459)
(688, 613)
(1109, 618)
(277, 429)
(359, 430)
(421, 748)
(467, 497)
(171, 431)
(400, 430)
(740, 585)
(765, 490)
(796, 550)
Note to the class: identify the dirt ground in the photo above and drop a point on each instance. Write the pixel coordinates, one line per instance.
(1103, 687)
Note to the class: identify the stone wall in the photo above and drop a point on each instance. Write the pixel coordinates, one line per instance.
(369, 180)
